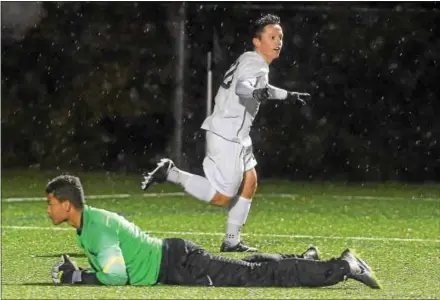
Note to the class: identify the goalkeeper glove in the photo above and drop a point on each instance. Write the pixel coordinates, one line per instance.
(301, 98)
(66, 271)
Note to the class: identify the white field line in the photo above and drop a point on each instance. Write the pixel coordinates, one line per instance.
(291, 236)
(258, 195)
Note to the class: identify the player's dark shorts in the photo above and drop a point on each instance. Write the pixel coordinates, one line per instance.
(185, 263)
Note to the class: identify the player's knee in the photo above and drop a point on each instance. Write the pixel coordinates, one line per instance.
(221, 200)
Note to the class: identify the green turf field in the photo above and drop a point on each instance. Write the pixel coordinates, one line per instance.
(395, 227)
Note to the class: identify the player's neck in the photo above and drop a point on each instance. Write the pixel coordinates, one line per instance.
(268, 60)
(75, 218)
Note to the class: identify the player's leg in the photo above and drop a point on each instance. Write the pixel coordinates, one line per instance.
(221, 182)
(294, 272)
(312, 273)
(193, 184)
(224, 271)
(311, 253)
(240, 206)
(237, 214)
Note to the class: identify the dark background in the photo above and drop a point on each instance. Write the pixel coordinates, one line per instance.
(90, 86)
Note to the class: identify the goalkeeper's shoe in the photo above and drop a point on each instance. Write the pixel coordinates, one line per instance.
(360, 270)
(311, 253)
(240, 247)
(159, 174)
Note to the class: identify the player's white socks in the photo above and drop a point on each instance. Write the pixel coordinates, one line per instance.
(178, 176)
(237, 216)
(194, 185)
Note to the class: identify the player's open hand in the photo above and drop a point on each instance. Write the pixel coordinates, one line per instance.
(301, 98)
(62, 271)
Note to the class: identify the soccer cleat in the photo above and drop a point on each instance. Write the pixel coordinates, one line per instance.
(360, 270)
(311, 253)
(159, 174)
(240, 247)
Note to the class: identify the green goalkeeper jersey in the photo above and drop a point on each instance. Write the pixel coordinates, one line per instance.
(119, 251)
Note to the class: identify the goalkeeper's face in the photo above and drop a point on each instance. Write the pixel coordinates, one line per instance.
(57, 210)
(270, 42)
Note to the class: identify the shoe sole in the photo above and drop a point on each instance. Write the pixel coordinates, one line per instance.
(317, 257)
(373, 274)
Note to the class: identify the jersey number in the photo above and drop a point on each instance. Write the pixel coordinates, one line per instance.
(229, 76)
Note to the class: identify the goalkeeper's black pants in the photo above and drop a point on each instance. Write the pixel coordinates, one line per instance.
(185, 263)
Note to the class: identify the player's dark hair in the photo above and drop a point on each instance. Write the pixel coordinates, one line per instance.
(67, 188)
(258, 26)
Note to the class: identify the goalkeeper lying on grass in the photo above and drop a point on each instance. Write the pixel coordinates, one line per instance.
(120, 253)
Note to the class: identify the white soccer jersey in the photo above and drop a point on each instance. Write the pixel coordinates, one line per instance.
(233, 116)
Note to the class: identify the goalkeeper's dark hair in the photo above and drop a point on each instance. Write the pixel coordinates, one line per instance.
(258, 25)
(67, 188)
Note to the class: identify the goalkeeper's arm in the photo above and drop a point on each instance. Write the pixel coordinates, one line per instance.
(66, 271)
(81, 277)
(112, 266)
(109, 269)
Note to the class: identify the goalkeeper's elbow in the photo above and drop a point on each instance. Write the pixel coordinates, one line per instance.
(112, 279)
(119, 281)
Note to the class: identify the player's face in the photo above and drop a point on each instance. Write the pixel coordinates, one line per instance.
(270, 42)
(56, 210)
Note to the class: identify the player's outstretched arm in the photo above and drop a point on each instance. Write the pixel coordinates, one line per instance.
(280, 94)
(245, 89)
(66, 271)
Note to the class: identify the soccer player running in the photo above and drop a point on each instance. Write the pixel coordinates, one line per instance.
(229, 165)
(120, 253)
